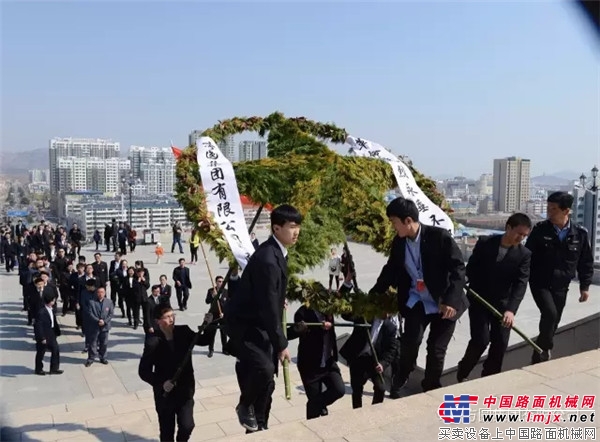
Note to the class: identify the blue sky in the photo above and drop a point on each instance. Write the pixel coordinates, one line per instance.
(450, 84)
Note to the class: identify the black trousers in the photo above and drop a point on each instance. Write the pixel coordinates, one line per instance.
(193, 253)
(173, 409)
(10, 262)
(183, 294)
(255, 354)
(262, 409)
(361, 370)
(133, 311)
(551, 304)
(485, 330)
(440, 333)
(212, 336)
(52, 346)
(313, 382)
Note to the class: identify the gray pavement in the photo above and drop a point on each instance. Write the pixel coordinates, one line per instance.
(113, 396)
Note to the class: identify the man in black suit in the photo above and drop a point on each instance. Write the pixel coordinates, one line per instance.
(163, 352)
(317, 361)
(100, 270)
(216, 309)
(498, 270)
(165, 290)
(151, 304)
(254, 240)
(46, 329)
(113, 277)
(254, 317)
(357, 352)
(426, 266)
(183, 284)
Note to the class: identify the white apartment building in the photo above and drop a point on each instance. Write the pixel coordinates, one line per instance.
(227, 146)
(155, 167)
(39, 176)
(534, 207)
(77, 148)
(96, 174)
(196, 134)
(252, 150)
(511, 187)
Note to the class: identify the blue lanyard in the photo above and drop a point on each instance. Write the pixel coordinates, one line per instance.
(417, 262)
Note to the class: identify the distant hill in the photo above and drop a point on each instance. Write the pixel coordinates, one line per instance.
(550, 180)
(19, 162)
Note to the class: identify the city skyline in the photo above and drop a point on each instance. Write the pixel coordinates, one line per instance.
(462, 83)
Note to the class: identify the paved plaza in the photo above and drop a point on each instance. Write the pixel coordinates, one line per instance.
(111, 403)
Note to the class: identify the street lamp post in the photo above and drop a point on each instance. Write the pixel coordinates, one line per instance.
(130, 183)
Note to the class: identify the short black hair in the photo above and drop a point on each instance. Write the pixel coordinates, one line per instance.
(218, 277)
(48, 298)
(155, 286)
(37, 279)
(518, 219)
(285, 214)
(181, 259)
(402, 208)
(563, 199)
(161, 310)
(162, 276)
(97, 254)
(90, 282)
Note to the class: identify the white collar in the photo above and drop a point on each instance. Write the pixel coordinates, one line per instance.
(281, 246)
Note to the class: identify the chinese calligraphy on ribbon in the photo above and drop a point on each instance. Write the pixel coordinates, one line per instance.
(223, 198)
(429, 213)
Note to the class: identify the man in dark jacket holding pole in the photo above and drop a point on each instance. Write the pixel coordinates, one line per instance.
(164, 351)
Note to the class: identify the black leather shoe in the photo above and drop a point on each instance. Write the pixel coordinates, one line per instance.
(57, 371)
(210, 353)
(324, 411)
(247, 417)
(104, 361)
(40, 373)
(88, 363)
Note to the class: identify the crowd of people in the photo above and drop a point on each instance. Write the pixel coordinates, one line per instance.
(425, 265)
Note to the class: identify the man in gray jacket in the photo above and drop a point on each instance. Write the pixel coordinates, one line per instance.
(100, 312)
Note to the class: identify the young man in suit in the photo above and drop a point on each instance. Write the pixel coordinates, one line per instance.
(100, 270)
(183, 284)
(46, 329)
(113, 277)
(317, 361)
(498, 271)
(253, 316)
(164, 351)
(152, 303)
(559, 250)
(357, 352)
(426, 266)
(216, 309)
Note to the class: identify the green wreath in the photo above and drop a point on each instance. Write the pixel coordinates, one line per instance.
(339, 197)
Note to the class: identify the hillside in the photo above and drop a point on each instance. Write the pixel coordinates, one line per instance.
(19, 162)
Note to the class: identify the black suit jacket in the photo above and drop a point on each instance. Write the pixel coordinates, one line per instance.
(149, 307)
(165, 293)
(43, 329)
(113, 273)
(183, 276)
(259, 299)
(443, 270)
(386, 344)
(502, 283)
(159, 362)
(311, 345)
(101, 272)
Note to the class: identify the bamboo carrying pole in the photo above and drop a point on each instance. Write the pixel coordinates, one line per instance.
(499, 315)
(320, 324)
(286, 363)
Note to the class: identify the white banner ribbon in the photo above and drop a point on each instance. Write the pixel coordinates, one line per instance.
(223, 198)
(429, 213)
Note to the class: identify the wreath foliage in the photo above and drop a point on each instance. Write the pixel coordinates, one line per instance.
(339, 197)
